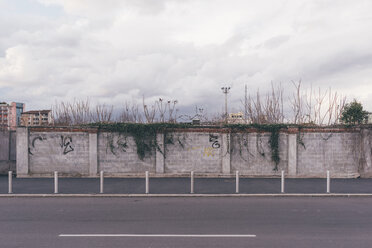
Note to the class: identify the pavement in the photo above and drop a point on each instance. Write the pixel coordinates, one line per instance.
(182, 186)
(186, 222)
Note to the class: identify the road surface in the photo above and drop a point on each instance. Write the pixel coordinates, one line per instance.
(186, 222)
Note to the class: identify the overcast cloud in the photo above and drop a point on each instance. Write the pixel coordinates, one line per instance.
(118, 50)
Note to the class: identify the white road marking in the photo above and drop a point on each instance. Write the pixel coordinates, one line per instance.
(164, 235)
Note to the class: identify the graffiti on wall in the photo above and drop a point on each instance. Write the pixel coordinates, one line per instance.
(210, 151)
(66, 144)
(119, 145)
(30, 149)
(214, 140)
(206, 151)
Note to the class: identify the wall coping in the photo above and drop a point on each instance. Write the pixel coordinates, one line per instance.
(209, 129)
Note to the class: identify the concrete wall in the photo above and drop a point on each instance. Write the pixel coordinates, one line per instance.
(251, 154)
(337, 152)
(303, 153)
(65, 152)
(199, 152)
(366, 150)
(7, 151)
(117, 153)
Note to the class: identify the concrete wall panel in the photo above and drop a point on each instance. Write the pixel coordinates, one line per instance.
(198, 152)
(251, 154)
(65, 152)
(117, 153)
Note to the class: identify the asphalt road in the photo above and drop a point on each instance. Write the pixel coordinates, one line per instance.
(276, 222)
(182, 185)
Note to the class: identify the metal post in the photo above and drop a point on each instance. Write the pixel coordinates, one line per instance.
(282, 181)
(192, 183)
(56, 182)
(101, 182)
(225, 90)
(328, 182)
(147, 182)
(226, 115)
(237, 182)
(10, 183)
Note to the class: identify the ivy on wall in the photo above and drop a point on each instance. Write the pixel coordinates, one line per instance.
(144, 135)
(273, 129)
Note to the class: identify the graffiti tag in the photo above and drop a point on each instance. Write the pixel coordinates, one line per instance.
(33, 143)
(66, 144)
(214, 140)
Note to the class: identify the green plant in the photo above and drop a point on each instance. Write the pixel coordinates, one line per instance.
(144, 135)
(120, 144)
(300, 137)
(273, 140)
(353, 113)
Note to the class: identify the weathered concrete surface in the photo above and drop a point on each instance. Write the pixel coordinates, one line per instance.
(65, 152)
(251, 154)
(160, 153)
(292, 154)
(7, 165)
(198, 152)
(22, 152)
(13, 146)
(117, 153)
(226, 153)
(306, 153)
(4, 145)
(337, 152)
(93, 146)
(366, 156)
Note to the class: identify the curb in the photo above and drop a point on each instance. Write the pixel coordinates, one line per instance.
(175, 195)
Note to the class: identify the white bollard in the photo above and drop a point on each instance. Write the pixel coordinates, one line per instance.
(282, 181)
(101, 182)
(147, 182)
(10, 182)
(192, 183)
(56, 182)
(237, 182)
(328, 182)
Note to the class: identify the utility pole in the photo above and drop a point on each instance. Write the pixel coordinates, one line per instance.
(225, 90)
(246, 105)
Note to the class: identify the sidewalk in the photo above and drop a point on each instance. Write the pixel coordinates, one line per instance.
(182, 186)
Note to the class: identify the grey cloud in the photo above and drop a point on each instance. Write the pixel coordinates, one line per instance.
(133, 49)
(276, 41)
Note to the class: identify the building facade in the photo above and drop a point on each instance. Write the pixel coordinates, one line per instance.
(10, 115)
(37, 118)
(236, 118)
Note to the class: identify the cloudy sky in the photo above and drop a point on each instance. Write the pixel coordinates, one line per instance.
(114, 51)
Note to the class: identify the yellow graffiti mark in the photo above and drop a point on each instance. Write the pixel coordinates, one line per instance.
(208, 151)
(194, 148)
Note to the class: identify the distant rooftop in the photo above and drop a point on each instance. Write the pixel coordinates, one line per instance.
(37, 111)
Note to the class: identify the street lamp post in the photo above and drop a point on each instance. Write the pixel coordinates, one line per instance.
(225, 90)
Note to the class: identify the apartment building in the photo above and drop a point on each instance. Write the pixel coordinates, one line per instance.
(236, 118)
(10, 115)
(37, 118)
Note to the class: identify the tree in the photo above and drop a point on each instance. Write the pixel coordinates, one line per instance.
(353, 113)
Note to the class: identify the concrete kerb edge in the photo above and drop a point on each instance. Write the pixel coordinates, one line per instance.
(187, 175)
(176, 195)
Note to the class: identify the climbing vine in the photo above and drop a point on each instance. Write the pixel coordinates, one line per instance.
(242, 142)
(144, 136)
(300, 137)
(273, 129)
(120, 144)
